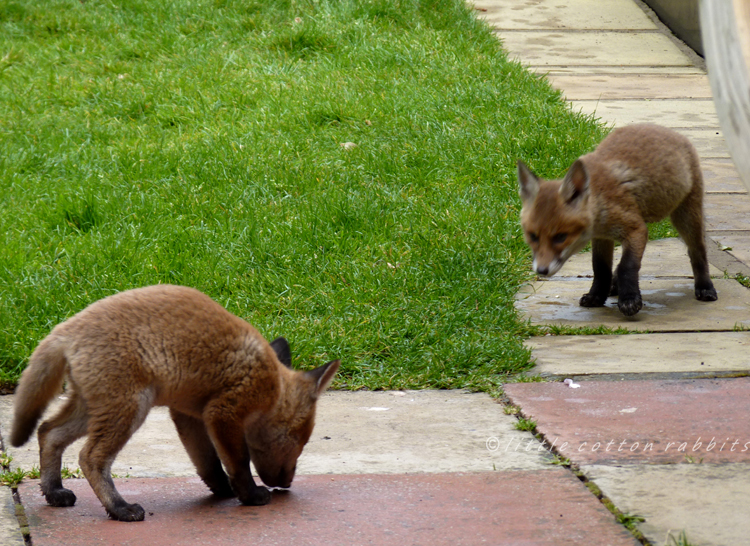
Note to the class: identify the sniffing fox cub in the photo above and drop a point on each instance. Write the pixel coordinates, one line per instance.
(231, 394)
(637, 175)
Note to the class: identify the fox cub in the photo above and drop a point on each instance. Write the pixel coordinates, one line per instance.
(637, 175)
(232, 396)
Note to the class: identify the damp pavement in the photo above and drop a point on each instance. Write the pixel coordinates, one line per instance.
(655, 421)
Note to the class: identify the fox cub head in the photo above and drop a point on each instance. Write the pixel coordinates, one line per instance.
(277, 441)
(555, 216)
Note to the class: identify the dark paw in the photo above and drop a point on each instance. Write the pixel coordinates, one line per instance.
(630, 306)
(60, 497)
(257, 497)
(706, 294)
(127, 512)
(592, 300)
(222, 491)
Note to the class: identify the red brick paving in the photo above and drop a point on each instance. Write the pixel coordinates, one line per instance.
(549, 507)
(642, 421)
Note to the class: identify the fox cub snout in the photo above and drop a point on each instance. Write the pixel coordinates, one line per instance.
(233, 396)
(637, 175)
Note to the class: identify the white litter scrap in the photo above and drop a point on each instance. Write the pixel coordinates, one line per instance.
(571, 384)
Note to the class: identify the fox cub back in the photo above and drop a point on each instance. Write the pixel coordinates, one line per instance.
(232, 396)
(637, 175)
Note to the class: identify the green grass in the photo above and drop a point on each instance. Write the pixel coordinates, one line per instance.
(525, 424)
(680, 540)
(199, 143)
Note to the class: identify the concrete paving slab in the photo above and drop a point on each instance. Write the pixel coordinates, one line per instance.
(525, 508)
(727, 212)
(632, 86)
(736, 243)
(562, 14)
(355, 432)
(663, 258)
(721, 176)
(10, 532)
(709, 143)
(675, 113)
(668, 306)
(616, 70)
(542, 48)
(700, 499)
(638, 422)
(687, 354)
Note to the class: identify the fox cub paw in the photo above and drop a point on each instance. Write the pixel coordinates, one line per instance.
(706, 294)
(256, 497)
(222, 490)
(630, 306)
(127, 512)
(60, 497)
(592, 300)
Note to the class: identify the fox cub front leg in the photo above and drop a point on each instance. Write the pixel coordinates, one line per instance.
(229, 439)
(629, 294)
(602, 252)
(198, 445)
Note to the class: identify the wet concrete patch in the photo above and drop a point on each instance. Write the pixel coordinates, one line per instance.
(630, 422)
(668, 306)
(531, 508)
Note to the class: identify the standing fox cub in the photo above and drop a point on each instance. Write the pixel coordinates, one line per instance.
(639, 174)
(231, 394)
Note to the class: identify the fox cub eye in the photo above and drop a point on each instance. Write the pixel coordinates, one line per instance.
(559, 238)
(533, 237)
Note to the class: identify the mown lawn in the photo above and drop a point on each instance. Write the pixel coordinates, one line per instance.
(338, 172)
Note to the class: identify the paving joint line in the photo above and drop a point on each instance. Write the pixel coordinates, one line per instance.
(20, 512)
(23, 521)
(698, 72)
(645, 376)
(581, 30)
(573, 468)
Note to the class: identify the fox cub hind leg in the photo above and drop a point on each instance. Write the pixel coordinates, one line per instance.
(689, 224)
(106, 437)
(54, 436)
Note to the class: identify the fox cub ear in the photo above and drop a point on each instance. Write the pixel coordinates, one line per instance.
(280, 346)
(575, 185)
(528, 182)
(323, 376)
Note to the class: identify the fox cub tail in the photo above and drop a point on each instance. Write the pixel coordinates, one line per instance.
(41, 380)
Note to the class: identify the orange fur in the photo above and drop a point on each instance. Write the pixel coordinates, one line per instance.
(230, 396)
(639, 174)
